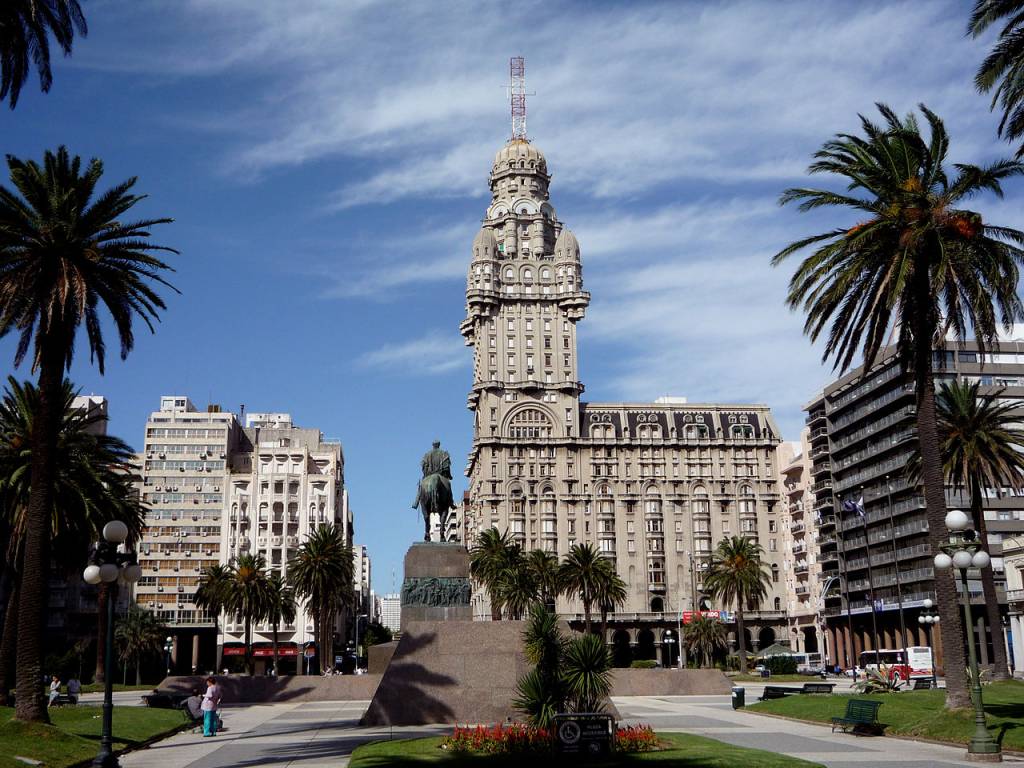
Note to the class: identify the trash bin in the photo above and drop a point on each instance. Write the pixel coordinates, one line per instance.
(738, 697)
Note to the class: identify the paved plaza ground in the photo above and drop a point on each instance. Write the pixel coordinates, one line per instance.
(321, 734)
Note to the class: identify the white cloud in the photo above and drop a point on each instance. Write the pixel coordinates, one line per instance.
(433, 353)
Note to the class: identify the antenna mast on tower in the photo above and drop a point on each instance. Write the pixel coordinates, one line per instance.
(517, 91)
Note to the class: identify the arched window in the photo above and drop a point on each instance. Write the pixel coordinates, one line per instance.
(696, 432)
(530, 422)
(775, 574)
(700, 505)
(527, 274)
(509, 273)
(545, 274)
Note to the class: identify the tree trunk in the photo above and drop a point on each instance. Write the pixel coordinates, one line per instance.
(249, 666)
(30, 705)
(741, 640)
(138, 670)
(9, 641)
(1000, 668)
(102, 595)
(604, 622)
(586, 615)
(274, 627)
(933, 477)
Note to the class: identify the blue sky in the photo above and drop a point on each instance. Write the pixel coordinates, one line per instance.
(326, 164)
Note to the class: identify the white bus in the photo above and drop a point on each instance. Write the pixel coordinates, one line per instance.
(904, 664)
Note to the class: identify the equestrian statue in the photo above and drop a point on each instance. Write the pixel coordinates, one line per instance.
(434, 494)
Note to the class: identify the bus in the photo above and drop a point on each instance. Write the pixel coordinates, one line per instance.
(903, 664)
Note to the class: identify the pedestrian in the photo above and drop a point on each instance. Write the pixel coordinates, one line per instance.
(54, 690)
(211, 702)
(74, 689)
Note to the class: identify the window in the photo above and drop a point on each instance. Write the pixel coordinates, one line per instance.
(511, 341)
(509, 273)
(529, 325)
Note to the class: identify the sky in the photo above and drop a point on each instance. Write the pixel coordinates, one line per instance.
(326, 164)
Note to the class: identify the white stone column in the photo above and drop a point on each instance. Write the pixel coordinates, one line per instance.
(1017, 628)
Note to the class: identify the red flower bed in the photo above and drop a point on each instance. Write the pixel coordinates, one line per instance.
(636, 738)
(498, 739)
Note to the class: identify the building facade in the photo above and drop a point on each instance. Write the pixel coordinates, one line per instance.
(654, 486)
(216, 490)
(361, 573)
(389, 611)
(802, 568)
(862, 435)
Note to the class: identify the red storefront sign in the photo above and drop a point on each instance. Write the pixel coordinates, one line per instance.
(282, 650)
(720, 615)
(234, 650)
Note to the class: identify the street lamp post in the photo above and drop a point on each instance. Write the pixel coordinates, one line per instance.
(964, 552)
(108, 565)
(358, 617)
(929, 620)
(168, 647)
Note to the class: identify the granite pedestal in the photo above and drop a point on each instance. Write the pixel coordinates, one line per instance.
(436, 585)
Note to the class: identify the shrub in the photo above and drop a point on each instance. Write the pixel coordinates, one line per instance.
(636, 738)
(780, 665)
(644, 664)
(499, 739)
(878, 681)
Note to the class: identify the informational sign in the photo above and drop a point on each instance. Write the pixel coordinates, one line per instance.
(584, 734)
(234, 650)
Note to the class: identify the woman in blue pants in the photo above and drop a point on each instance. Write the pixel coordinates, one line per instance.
(211, 703)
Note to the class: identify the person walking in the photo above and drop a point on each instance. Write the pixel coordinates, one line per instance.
(211, 702)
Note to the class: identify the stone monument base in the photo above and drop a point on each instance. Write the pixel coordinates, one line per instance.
(451, 672)
(436, 585)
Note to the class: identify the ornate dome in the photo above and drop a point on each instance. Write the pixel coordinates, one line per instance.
(485, 245)
(567, 248)
(520, 151)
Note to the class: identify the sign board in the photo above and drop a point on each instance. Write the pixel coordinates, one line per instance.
(233, 650)
(282, 651)
(724, 616)
(584, 734)
(310, 652)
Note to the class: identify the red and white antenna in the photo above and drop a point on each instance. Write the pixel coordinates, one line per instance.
(517, 92)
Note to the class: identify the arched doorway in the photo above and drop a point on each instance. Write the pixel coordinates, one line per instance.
(657, 605)
(765, 637)
(810, 640)
(644, 645)
(669, 649)
(622, 653)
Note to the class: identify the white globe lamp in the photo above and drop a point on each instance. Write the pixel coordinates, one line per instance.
(981, 559)
(115, 532)
(957, 520)
(943, 562)
(109, 572)
(962, 559)
(927, 602)
(91, 574)
(132, 573)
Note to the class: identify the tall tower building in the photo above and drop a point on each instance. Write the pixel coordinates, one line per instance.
(654, 486)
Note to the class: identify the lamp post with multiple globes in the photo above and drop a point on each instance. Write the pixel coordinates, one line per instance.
(929, 619)
(962, 552)
(109, 566)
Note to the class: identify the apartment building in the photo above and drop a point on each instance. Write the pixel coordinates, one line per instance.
(283, 481)
(862, 435)
(802, 568)
(361, 572)
(184, 467)
(389, 611)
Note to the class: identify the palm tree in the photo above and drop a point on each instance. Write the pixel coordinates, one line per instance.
(1001, 69)
(492, 554)
(703, 636)
(610, 594)
(25, 29)
(915, 264)
(247, 594)
(517, 588)
(211, 592)
(544, 568)
(321, 574)
(737, 576)
(586, 673)
(92, 486)
(981, 448)
(582, 573)
(64, 254)
(280, 608)
(139, 633)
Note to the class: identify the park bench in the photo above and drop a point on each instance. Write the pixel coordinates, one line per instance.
(861, 715)
(922, 684)
(817, 688)
(64, 700)
(777, 692)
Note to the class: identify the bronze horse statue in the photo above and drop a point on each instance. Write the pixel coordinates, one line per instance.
(434, 494)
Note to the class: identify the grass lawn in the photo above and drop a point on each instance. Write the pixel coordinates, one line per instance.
(686, 750)
(921, 713)
(74, 734)
(98, 688)
(777, 679)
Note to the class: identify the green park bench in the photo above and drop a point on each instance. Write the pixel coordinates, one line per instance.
(817, 688)
(861, 715)
(777, 692)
